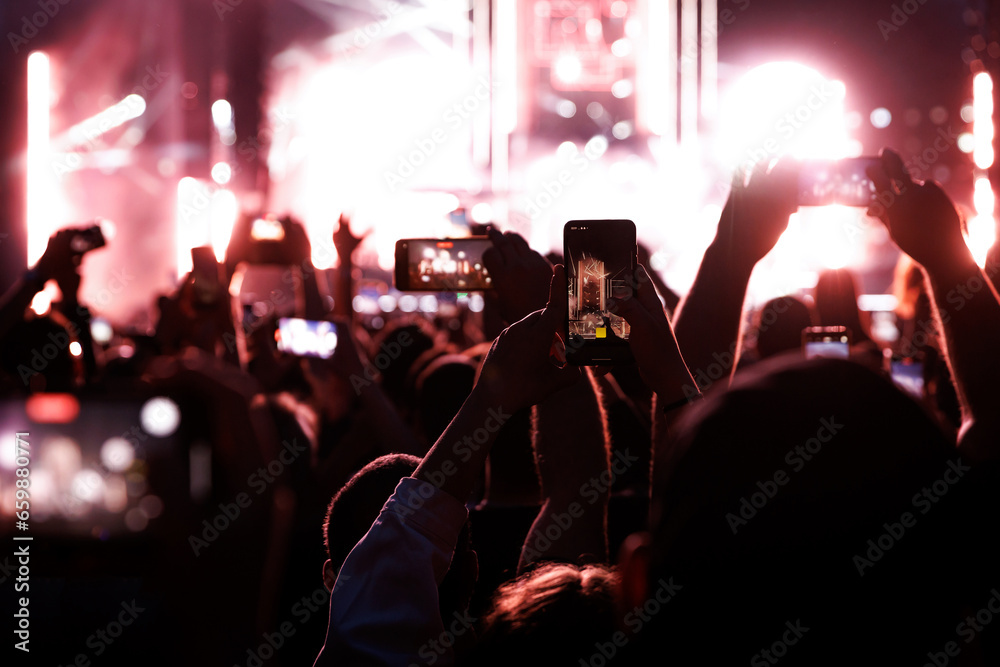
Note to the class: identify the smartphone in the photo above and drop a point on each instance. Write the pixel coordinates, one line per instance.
(826, 342)
(205, 279)
(843, 182)
(307, 338)
(442, 265)
(908, 374)
(267, 229)
(87, 239)
(600, 257)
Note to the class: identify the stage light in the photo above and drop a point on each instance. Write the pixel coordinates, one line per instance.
(966, 142)
(40, 214)
(86, 132)
(222, 172)
(622, 88)
(982, 128)
(101, 330)
(566, 108)
(117, 454)
(622, 129)
(880, 118)
(225, 211)
(160, 416)
(75, 349)
(568, 69)
(621, 47)
(783, 108)
(222, 114)
(482, 212)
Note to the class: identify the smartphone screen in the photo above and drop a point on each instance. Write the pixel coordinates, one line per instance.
(307, 338)
(826, 342)
(600, 257)
(442, 265)
(267, 229)
(844, 182)
(908, 375)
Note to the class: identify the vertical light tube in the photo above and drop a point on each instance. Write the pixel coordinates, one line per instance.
(656, 70)
(38, 195)
(982, 124)
(689, 73)
(504, 90)
(709, 57)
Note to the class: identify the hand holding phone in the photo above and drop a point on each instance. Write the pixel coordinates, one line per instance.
(600, 260)
(521, 276)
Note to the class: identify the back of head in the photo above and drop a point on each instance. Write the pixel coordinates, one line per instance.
(395, 349)
(552, 615)
(37, 353)
(356, 506)
(797, 504)
(837, 302)
(780, 324)
(442, 387)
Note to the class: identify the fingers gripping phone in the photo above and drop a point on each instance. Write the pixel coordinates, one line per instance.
(442, 265)
(600, 258)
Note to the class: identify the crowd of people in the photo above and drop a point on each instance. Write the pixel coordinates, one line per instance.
(449, 492)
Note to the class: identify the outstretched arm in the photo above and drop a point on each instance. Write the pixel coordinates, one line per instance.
(924, 223)
(708, 319)
(516, 374)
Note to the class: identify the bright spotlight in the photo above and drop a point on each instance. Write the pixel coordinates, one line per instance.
(39, 198)
(160, 416)
(568, 69)
(222, 114)
(880, 118)
(783, 108)
(222, 172)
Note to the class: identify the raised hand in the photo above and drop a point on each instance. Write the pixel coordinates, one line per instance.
(757, 211)
(520, 274)
(652, 338)
(344, 240)
(517, 371)
(920, 217)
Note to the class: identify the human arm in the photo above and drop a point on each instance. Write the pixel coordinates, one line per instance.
(707, 321)
(58, 262)
(659, 359)
(346, 243)
(384, 605)
(924, 223)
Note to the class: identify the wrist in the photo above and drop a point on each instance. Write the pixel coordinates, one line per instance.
(726, 253)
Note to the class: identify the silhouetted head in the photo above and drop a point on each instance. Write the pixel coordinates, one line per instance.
(36, 355)
(779, 326)
(357, 505)
(395, 349)
(442, 388)
(837, 302)
(797, 499)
